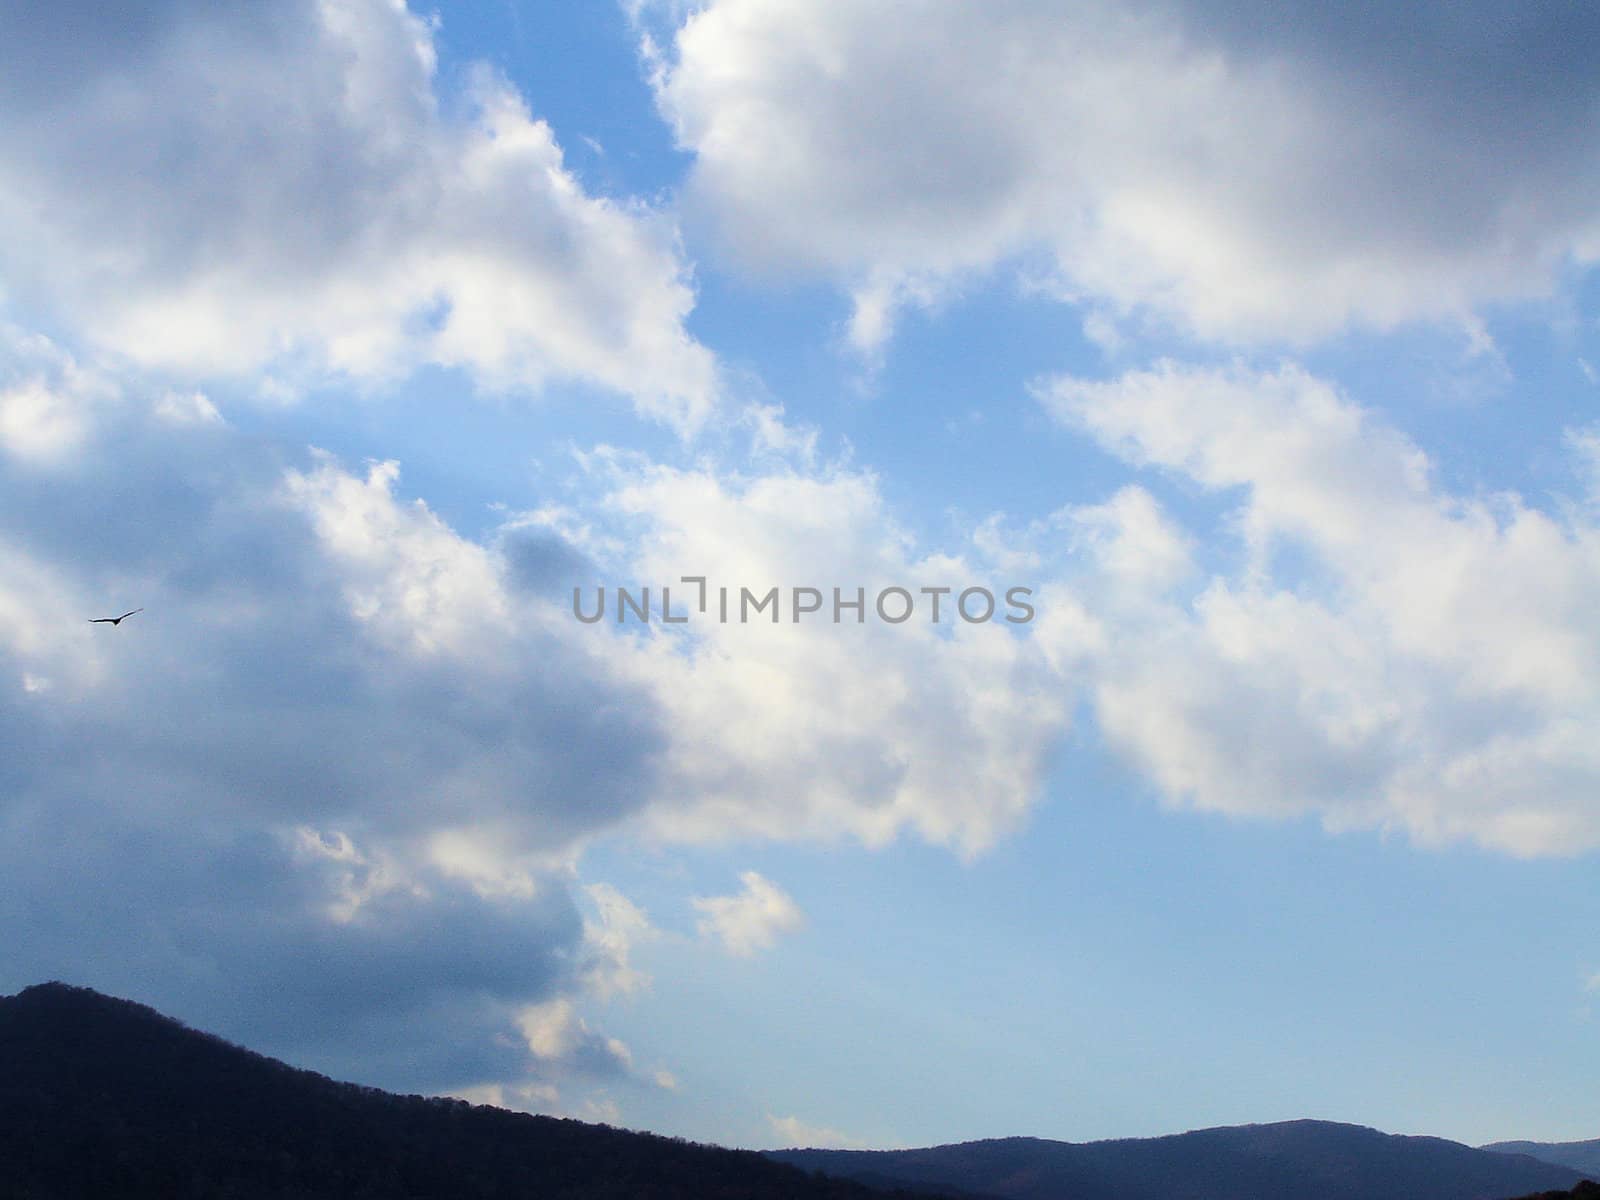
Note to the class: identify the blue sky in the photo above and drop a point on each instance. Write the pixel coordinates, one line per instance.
(1261, 342)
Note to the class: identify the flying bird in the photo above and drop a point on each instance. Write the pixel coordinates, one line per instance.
(114, 620)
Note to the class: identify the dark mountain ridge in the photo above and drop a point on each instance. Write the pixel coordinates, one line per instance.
(103, 1098)
(1292, 1160)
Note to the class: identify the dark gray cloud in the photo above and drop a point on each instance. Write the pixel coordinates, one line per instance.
(52, 51)
(543, 562)
(228, 932)
(231, 805)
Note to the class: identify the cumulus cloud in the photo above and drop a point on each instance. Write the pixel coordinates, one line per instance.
(174, 192)
(816, 729)
(555, 1032)
(47, 401)
(1246, 170)
(752, 919)
(1377, 650)
(344, 763)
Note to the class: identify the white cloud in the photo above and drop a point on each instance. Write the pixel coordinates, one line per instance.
(407, 575)
(752, 919)
(552, 1029)
(563, 1044)
(480, 858)
(37, 423)
(1430, 665)
(357, 878)
(800, 1135)
(48, 402)
(602, 1110)
(218, 189)
(1248, 171)
(530, 1097)
(816, 729)
(187, 408)
(609, 940)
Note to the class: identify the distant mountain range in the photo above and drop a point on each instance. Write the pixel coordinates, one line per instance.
(1580, 1156)
(104, 1098)
(1294, 1160)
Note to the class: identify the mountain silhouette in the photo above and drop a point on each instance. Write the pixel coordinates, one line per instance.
(1587, 1190)
(103, 1098)
(1293, 1160)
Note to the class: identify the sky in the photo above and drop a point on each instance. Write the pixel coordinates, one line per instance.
(366, 348)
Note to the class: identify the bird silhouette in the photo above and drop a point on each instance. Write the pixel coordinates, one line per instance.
(114, 620)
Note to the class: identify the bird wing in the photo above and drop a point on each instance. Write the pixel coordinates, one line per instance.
(104, 620)
(130, 613)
